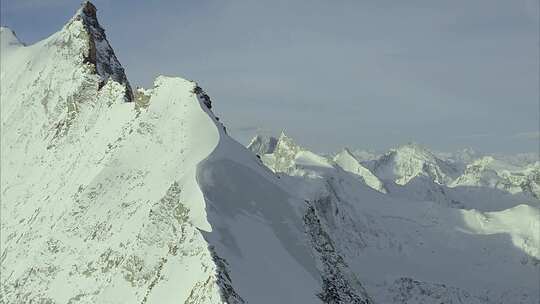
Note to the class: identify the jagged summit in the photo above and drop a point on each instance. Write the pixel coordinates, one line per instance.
(286, 142)
(408, 161)
(64, 75)
(99, 51)
(490, 172)
(104, 201)
(88, 9)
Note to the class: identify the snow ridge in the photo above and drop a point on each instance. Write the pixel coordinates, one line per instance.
(107, 201)
(350, 163)
(8, 39)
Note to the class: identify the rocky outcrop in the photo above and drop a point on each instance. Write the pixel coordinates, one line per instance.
(261, 145)
(340, 286)
(99, 53)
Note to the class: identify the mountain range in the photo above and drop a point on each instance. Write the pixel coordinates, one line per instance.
(115, 195)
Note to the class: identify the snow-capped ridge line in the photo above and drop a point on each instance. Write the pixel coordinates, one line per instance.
(8, 38)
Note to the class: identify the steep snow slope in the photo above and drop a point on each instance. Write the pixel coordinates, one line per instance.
(346, 160)
(107, 201)
(110, 201)
(102, 207)
(407, 248)
(9, 40)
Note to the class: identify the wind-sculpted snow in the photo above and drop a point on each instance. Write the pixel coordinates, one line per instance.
(105, 201)
(100, 202)
(112, 216)
(150, 201)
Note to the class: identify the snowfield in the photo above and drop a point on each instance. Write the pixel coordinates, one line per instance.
(110, 195)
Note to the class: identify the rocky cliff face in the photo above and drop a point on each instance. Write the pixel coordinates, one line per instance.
(99, 52)
(110, 201)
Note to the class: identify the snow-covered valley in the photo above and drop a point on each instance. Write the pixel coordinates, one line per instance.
(114, 195)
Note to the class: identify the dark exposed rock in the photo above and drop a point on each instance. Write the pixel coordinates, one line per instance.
(339, 287)
(228, 294)
(100, 53)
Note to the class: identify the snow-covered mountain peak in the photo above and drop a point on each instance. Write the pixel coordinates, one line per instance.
(84, 27)
(346, 152)
(105, 201)
(490, 172)
(61, 79)
(284, 154)
(348, 161)
(285, 141)
(261, 144)
(408, 161)
(8, 39)
(415, 150)
(347, 155)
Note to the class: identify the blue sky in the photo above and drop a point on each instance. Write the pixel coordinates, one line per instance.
(363, 74)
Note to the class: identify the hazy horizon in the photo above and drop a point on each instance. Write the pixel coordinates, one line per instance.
(446, 75)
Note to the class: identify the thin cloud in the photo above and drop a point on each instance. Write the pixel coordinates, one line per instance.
(528, 135)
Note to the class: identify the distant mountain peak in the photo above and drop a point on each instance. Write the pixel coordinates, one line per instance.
(286, 142)
(405, 162)
(413, 148)
(350, 163)
(348, 151)
(261, 144)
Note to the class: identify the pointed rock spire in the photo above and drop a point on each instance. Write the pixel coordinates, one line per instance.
(99, 51)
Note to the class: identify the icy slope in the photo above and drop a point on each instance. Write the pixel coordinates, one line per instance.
(346, 160)
(99, 201)
(406, 247)
(108, 201)
(112, 211)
